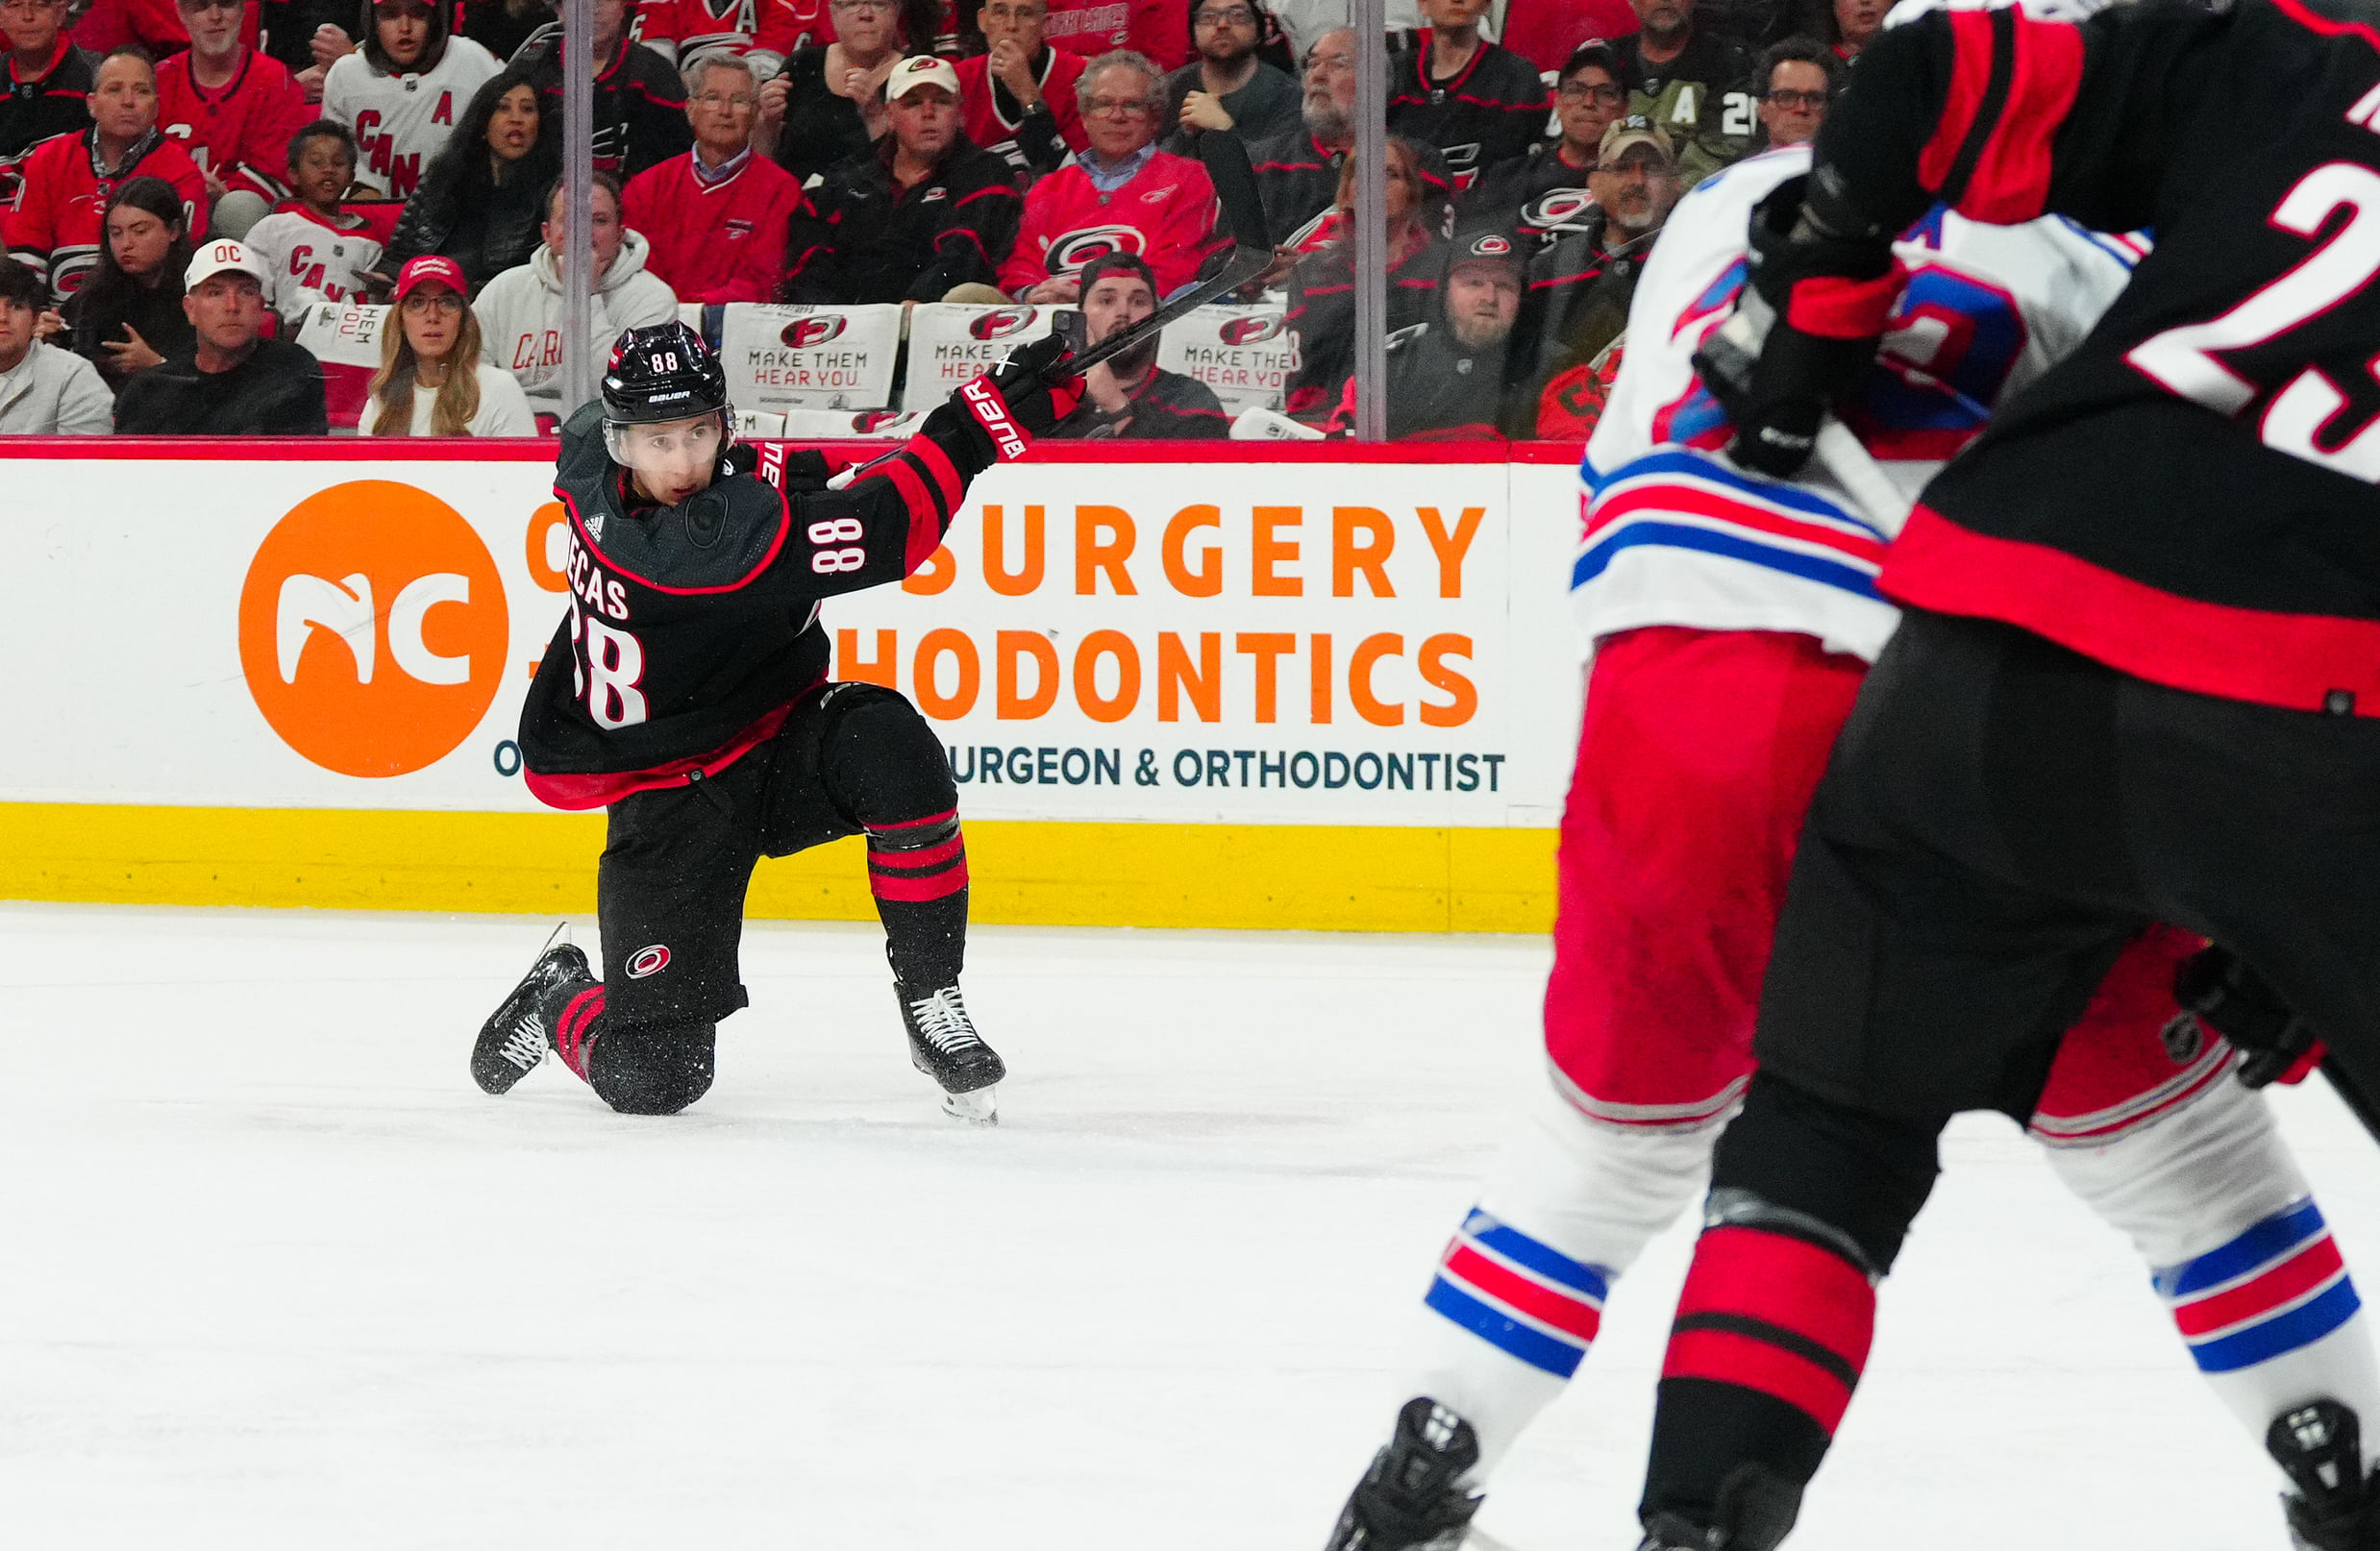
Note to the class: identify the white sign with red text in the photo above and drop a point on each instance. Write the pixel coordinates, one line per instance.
(809, 357)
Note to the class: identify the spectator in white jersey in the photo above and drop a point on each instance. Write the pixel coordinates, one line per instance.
(44, 391)
(312, 247)
(520, 312)
(482, 200)
(433, 379)
(400, 94)
(1797, 79)
(1226, 87)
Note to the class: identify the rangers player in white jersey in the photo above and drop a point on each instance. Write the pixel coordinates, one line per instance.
(1733, 617)
(402, 91)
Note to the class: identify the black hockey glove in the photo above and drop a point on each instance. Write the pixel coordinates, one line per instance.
(2234, 1000)
(1812, 313)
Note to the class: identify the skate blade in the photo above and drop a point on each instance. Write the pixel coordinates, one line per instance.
(979, 1108)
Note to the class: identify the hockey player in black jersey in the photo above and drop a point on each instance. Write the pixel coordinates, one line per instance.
(2135, 679)
(687, 691)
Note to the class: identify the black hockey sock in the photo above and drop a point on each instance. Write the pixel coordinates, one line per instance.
(917, 873)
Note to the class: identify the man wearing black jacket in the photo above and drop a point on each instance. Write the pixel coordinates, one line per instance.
(1478, 102)
(1130, 395)
(921, 212)
(687, 691)
(640, 104)
(42, 94)
(232, 382)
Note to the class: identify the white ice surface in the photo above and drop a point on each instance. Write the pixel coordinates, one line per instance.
(274, 1274)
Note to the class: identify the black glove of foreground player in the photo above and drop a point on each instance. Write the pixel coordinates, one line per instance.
(1013, 402)
(2235, 1002)
(1813, 310)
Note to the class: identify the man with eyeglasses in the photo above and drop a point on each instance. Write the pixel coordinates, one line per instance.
(1298, 172)
(1798, 78)
(1017, 99)
(48, 78)
(640, 105)
(1546, 192)
(234, 110)
(715, 218)
(1478, 102)
(1122, 195)
(1228, 87)
(1580, 287)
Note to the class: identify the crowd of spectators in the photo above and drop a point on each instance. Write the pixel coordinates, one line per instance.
(184, 184)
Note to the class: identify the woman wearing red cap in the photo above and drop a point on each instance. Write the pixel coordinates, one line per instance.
(431, 381)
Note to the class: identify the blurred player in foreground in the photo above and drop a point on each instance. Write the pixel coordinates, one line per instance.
(686, 692)
(1734, 617)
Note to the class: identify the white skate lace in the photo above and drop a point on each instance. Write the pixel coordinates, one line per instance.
(942, 1022)
(526, 1047)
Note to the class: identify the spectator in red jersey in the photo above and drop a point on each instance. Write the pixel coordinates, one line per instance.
(47, 81)
(1017, 99)
(1848, 26)
(128, 317)
(716, 217)
(233, 381)
(1297, 173)
(66, 182)
(925, 212)
(1322, 288)
(234, 110)
(1127, 394)
(640, 105)
(1546, 33)
(787, 27)
(1478, 102)
(1121, 195)
(1228, 87)
(827, 103)
(1547, 187)
(1155, 29)
(434, 380)
(482, 199)
(151, 26)
(311, 247)
(686, 31)
(1799, 79)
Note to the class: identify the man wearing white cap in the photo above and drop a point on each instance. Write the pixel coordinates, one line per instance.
(922, 211)
(233, 381)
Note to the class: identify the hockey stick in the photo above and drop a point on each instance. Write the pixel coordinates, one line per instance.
(1858, 472)
(1252, 254)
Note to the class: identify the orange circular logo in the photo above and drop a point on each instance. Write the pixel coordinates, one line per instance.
(372, 628)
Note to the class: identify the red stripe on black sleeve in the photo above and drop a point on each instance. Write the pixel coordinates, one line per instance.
(2013, 85)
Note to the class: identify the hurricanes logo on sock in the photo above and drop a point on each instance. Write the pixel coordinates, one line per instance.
(647, 961)
(373, 631)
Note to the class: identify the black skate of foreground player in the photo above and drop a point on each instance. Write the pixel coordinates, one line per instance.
(686, 692)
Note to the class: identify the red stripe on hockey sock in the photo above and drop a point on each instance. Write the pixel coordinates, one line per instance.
(1752, 1364)
(1970, 76)
(917, 861)
(1787, 1282)
(918, 890)
(1564, 1312)
(574, 1032)
(2011, 180)
(2299, 1274)
(944, 817)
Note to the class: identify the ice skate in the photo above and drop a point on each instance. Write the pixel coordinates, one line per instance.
(1756, 1510)
(2319, 1447)
(1408, 1499)
(516, 1037)
(944, 1046)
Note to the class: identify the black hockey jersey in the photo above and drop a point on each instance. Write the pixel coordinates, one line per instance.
(640, 106)
(693, 629)
(863, 236)
(2190, 496)
(1491, 110)
(38, 108)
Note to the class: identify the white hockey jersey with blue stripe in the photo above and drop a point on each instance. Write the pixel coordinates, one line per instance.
(1674, 534)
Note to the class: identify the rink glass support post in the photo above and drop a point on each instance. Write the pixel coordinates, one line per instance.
(1371, 222)
(579, 178)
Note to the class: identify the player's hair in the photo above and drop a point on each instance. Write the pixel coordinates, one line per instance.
(458, 396)
(1802, 49)
(433, 49)
(695, 74)
(322, 129)
(20, 286)
(1126, 59)
(603, 179)
(109, 290)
